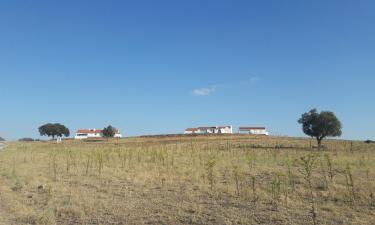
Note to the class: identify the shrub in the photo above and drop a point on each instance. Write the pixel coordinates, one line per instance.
(109, 132)
(26, 139)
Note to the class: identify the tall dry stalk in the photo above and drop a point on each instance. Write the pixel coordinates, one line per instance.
(210, 172)
(87, 165)
(236, 175)
(100, 163)
(275, 191)
(349, 184)
(291, 176)
(331, 173)
(308, 163)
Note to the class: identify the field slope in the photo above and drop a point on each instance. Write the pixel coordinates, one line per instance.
(235, 179)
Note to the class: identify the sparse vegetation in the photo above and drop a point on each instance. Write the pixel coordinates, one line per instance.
(234, 179)
(308, 164)
(26, 139)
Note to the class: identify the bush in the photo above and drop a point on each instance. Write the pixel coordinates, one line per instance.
(26, 139)
(369, 141)
(109, 132)
(2, 139)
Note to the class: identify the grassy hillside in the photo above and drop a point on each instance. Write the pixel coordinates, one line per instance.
(236, 179)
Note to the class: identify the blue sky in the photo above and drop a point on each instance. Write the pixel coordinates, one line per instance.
(150, 67)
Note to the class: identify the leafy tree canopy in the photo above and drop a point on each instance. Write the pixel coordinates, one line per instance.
(109, 131)
(320, 124)
(54, 130)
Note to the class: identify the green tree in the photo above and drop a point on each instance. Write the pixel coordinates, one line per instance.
(320, 125)
(109, 132)
(54, 130)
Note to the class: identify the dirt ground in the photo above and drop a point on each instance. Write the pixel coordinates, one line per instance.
(234, 179)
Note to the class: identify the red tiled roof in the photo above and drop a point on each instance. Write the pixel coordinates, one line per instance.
(252, 128)
(206, 127)
(92, 131)
(89, 131)
(220, 127)
(213, 127)
(191, 129)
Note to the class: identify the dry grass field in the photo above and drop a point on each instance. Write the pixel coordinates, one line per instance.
(238, 179)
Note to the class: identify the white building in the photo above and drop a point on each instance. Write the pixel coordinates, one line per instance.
(210, 130)
(191, 130)
(253, 130)
(93, 133)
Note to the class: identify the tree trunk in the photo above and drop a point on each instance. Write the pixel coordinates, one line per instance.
(319, 142)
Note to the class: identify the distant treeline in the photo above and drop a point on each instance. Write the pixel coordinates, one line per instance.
(28, 139)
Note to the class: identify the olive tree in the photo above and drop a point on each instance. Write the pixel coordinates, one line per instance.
(320, 125)
(54, 130)
(109, 132)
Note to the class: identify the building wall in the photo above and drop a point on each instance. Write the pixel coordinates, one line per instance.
(80, 136)
(216, 130)
(89, 135)
(202, 131)
(255, 131)
(206, 131)
(118, 136)
(92, 135)
(226, 130)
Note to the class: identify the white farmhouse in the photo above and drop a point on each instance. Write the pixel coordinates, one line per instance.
(210, 130)
(253, 130)
(191, 130)
(93, 133)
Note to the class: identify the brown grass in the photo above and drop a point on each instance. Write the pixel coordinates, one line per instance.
(233, 179)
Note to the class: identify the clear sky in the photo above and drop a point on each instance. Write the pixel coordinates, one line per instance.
(150, 67)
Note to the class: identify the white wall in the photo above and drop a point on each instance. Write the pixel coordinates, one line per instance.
(255, 131)
(216, 130)
(118, 136)
(84, 136)
(80, 136)
(226, 130)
